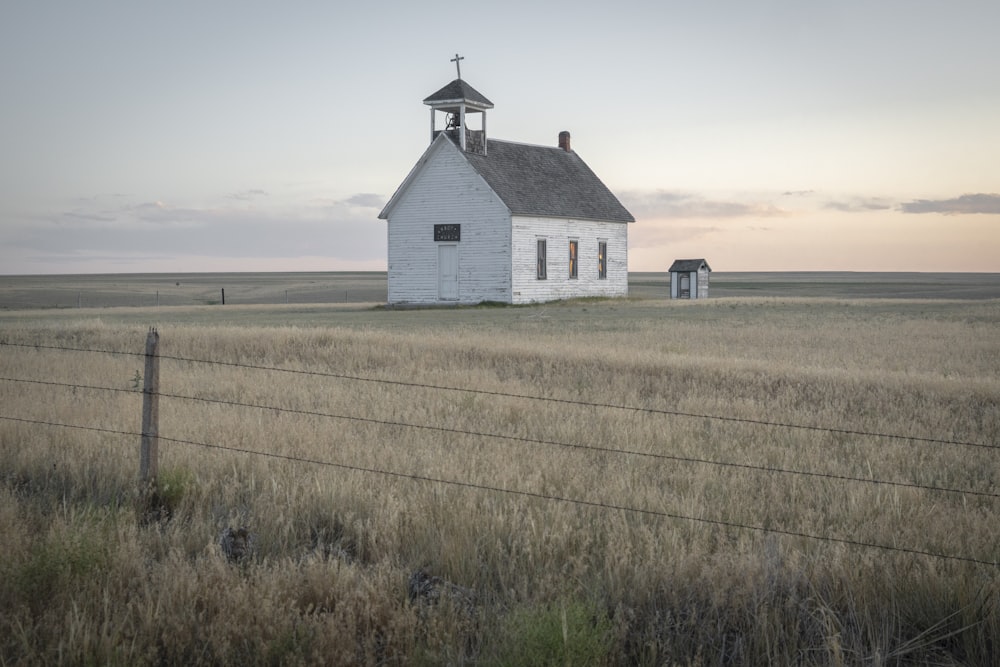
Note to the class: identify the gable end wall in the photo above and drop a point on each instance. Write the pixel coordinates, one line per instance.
(448, 191)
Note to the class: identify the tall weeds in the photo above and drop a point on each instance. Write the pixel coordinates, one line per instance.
(358, 469)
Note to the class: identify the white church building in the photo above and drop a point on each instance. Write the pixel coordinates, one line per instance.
(479, 219)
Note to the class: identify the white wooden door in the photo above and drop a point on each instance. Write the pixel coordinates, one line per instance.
(448, 272)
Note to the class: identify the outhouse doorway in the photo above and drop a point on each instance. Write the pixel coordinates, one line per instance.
(685, 287)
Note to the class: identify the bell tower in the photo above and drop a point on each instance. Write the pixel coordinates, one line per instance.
(460, 102)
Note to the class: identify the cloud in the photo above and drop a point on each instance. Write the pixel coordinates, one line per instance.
(361, 200)
(366, 200)
(674, 205)
(89, 217)
(160, 213)
(228, 230)
(968, 203)
(667, 233)
(859, 205)
(246, 195)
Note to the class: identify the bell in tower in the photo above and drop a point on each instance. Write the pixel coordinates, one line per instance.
(459, 102)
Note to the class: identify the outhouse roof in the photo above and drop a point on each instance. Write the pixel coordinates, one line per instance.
(689, 265)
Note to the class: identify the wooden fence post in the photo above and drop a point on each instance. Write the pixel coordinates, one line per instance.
(148, 455)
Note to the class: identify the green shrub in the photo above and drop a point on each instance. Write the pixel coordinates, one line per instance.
(173, 484)
(161, 502)
(54, 565)
(567, 632)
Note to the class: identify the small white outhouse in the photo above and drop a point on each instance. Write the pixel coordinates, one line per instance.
(689, 279)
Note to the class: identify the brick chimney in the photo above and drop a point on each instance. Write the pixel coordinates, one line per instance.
(564, 140)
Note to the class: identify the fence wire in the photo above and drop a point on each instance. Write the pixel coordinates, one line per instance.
(580, 403)
(499, 436)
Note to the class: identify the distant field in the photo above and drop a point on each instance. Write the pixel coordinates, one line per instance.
(835, 284)
(189, 289)
(801, 469)
(206, 289)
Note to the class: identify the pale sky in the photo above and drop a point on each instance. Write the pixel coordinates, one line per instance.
(781, 135)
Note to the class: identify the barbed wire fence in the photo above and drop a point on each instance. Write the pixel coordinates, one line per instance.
(149, 437)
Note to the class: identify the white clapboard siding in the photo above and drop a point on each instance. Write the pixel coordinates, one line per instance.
(447, 190)
(496, 254)
(558, 232)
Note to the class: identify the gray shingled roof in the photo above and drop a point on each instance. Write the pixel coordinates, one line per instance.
(546, 181)
(688, 265)
(458, 90)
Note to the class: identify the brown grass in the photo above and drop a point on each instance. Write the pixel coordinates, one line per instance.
(83, 581)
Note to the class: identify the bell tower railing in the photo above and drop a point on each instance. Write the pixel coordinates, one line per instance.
(475, 140)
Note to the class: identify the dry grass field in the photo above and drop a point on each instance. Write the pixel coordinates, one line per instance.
(781, 479)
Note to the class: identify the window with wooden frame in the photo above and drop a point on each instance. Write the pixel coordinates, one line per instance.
(573, 246)
(540, 261)
(602, 260)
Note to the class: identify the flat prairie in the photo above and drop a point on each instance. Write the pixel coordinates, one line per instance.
(201, 289)
(801, 469)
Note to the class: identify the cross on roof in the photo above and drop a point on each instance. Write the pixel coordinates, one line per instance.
(458, 65)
